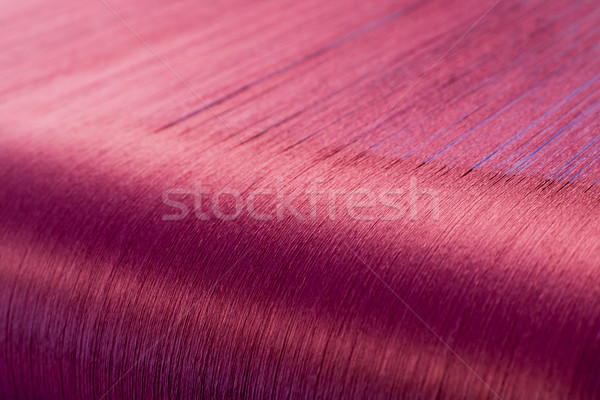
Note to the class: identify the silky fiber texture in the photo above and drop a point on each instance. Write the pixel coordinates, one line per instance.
(313, 199)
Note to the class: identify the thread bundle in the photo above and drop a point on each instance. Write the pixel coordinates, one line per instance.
(384, 199)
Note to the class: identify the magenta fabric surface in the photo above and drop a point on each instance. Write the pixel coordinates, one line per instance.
(315, 199)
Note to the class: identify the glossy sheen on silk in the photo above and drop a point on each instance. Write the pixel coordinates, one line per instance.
(407, 199)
